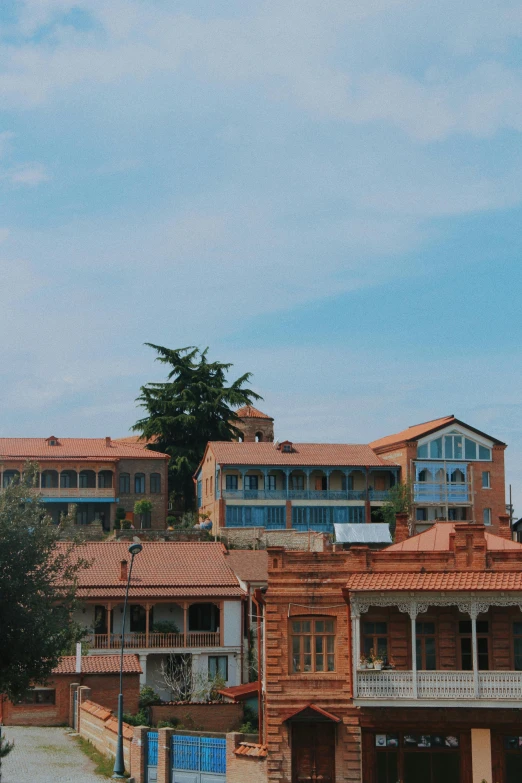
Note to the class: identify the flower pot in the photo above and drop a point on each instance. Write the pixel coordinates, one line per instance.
(377, 666)
(369, 665)
(362, 666)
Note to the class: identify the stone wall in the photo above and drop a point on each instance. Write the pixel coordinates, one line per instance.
(100, 727)
(261, 538)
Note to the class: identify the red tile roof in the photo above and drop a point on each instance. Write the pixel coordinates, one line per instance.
(249, 412)
(249, 565)
(163, 568)
(460, 581)
(320, 454)
(72, 448)
(413, 432)
(253, 749)
(437, 539)
(241, 692)
(99, 664)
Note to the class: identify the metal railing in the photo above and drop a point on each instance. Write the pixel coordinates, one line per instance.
(80, 492)
(302, 494)
(143, 641)
(438, 685)
(428, 492)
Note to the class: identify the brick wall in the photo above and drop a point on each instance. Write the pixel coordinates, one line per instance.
(159, 501)
(242, 768)
(100, 727)
(258, 537)
(203, 717)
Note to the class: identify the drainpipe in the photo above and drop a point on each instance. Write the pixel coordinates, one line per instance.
(257, 598)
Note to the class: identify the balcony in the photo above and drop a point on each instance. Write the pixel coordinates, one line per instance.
(301, 494)
(438, 686)
(425, 492)
(160, 641)
(77, 492)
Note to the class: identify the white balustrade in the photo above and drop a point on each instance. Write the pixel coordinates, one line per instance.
(438, 685)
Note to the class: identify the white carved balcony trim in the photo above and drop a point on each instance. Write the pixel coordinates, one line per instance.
(445, 686)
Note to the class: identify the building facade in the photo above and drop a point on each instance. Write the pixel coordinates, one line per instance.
(96, 475)
(456, 471)
(403, 664)
(185, 606)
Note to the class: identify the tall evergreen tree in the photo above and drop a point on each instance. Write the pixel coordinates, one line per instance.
(194, 405)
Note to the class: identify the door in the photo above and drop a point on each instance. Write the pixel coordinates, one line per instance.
(313, 752)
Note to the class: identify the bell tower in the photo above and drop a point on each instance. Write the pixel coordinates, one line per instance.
(255, 425)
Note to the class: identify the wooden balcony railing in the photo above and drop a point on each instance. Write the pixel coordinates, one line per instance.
(444, 686)
(77, 492)
(143, 641)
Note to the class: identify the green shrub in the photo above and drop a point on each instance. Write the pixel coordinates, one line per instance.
(148, 696)
(141, 718)
(165, 626)
(168, 724)
(126, 524)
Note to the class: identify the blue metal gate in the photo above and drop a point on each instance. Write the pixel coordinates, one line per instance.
(152, 756)
(198, 759)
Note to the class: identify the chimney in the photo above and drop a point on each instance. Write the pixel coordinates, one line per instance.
(402, 529)
(469, 546)
(504, 526)
(108, 442)
(123, 571)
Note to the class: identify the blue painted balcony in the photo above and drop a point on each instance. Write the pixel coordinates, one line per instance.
(301, 494)
(424, 492)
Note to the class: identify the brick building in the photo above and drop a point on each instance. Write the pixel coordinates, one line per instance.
(456, 471)
(50, 704)
(96, 475)
(441, 613)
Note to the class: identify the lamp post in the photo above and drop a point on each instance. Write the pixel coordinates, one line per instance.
(119, 764)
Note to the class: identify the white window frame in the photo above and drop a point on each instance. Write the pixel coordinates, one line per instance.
(486, 515)
(488, 484)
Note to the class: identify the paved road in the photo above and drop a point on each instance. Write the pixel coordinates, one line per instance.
(45, 756)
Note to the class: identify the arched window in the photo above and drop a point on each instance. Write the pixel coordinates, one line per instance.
(139, 483)
(105, 479)
(10, 476)
(259, 437)
(68, 478)
(155, 483)
(124, 483)
(87, 479)
(49, 479)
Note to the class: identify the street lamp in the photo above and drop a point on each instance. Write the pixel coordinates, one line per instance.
(119, 764)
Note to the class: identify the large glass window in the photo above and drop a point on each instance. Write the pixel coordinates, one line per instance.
(426, 649)
(466, 647)
(297, 482)
(251, 482)
(218, 667)
(231, 482)
(484, 453)
(312, 645)
(436, 449)
(375, 638)
(271, 483)
(453, 446)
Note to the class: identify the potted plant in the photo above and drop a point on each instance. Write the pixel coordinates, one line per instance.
(377, 662)
(369, 660)
(362, 662)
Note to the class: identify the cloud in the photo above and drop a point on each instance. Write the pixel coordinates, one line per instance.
(29, 175)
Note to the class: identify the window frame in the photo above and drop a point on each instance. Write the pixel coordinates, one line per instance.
(487, 485)
(33, 702)
(375, 635)
(140, 476)
(313, 634)
(155, 488)
(124, 491)
(422, 636)
(482, 453)
(469, 635)
(217, 658)
(231, 478)
(514, 637)
(486, 513)
(271, 482)
(248, 480)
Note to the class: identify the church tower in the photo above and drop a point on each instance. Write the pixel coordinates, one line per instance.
(255, 425)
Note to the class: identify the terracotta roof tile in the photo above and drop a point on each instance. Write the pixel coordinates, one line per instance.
(249, 412)
(99, 664)
(72, 448)
(413, 432)
(241, 692)
(460, 581)
(437, 539)
(96, 709)
(252, 749)
(163, 568)
(320, 454)
(249, 565)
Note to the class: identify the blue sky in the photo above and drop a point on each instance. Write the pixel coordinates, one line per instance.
(326, 194)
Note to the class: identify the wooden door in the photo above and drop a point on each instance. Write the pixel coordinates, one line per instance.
(313, 753)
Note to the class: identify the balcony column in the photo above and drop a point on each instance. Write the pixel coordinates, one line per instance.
(147, 625)
(287, 477)
(328, 472)
(413, 619)
(242, 472)
(307, 473)
(185, 624)
(109, 617)
(264, 471)
(356, 645)
(473, 612)
(143, 663)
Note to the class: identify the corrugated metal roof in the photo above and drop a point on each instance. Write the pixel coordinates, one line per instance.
(371, 533)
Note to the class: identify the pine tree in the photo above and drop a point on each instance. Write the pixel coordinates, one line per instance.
(194, 405)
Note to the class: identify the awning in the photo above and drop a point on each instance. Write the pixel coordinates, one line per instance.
(312, 712)
(371, 533)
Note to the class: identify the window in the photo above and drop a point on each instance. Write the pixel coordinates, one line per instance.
(271, 483)
(297, 482)
(426, 651)
(39, 696)
(218, 667)
(10, 476)
(517, 645)
(250, 482)
(200, 493)
(486, 515)
(275, 517)
(155, 483)
(139, 483)
(484, 453)
(436, 449)
(457, 514)
(375, 638)
(466, 649)
(313, 645)
(287, 448)
(203, 617)
(422, 451)
(82, 516)
(231, 482)
(347, 483)
(421, 514)
(486, 479)
(105, 479)
(138, 618)
(124, 483)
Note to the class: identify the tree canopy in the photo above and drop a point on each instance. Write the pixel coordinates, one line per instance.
(194, 405)
(37, 589)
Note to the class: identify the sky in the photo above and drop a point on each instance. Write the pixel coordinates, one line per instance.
(326, 194)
